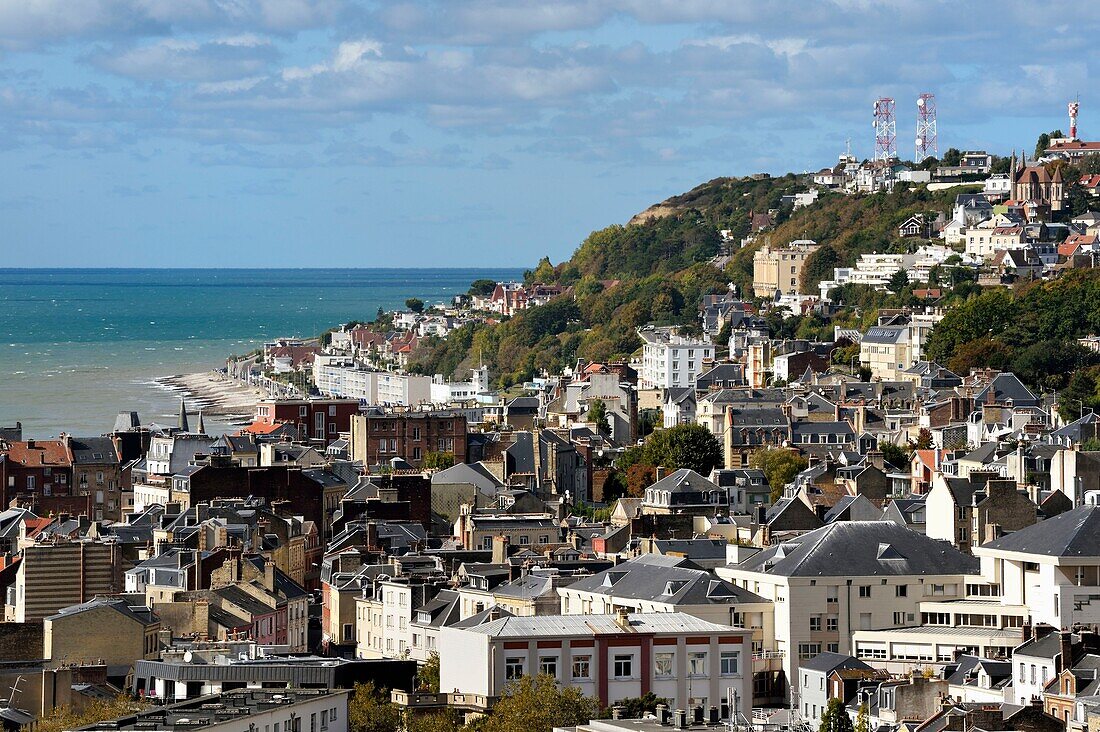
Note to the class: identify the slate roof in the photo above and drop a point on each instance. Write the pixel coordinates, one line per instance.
(1007, 386)
(828, 662)
(474, 474)
(884, 334)
(1074, 533)
(93, 450)
(138, 613)
(679, 583)
(684, 480)
(861, 549)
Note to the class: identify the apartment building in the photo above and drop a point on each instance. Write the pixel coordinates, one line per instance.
(779, 269)
(58, 574)
(691, 662)
(378, 437)
(845, 577)
(670, 360)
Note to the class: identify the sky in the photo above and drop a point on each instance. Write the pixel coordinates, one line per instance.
(299, 133)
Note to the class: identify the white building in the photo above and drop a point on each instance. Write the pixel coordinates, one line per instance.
(689, 661)
(342, 377)
(848, 576)
(670, 360)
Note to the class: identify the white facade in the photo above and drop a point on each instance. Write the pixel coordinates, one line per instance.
(686, 660)
(669, 360)
(340, 377)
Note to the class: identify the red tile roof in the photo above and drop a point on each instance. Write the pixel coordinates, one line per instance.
(39, 453)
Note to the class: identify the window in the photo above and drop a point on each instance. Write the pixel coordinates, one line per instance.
(831, 623)
(324, 719)
(513, 668)
(806, 651)
(899, 618)
(815, 622)
(549, 665)
(901, 590)
(624, 666)
(697, 663)
(524, 540)
(865, 590)
(730, 661)
(662, 664)
(582, 667)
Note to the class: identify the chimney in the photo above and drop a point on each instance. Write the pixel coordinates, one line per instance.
(616, 712)
(697, 715)
(622, 618)
(663, 715)
(680, 719)
(500, 550)
(713, 716)
(1066, 658)
(269, 574)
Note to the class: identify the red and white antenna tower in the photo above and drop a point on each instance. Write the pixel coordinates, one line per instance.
(886, 130)
(1074, 108)
(927, 145)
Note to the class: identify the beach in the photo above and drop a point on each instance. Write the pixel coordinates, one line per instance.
(215, 394)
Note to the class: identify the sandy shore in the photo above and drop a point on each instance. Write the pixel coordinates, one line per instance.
(215, 394)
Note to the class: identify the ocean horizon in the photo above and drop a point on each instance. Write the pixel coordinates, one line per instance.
(79, 345)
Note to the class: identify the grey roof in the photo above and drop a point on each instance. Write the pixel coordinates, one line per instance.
(684, 480)
(93, 450)
(1074, 533)
(586, 625)
(522, 453)
(138, 613)
(658, 579)
(828, 662)
(861, 549)
(474, 474)
(884, 334)
(1007, 386)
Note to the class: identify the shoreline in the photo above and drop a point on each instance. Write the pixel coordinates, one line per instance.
(215, 394)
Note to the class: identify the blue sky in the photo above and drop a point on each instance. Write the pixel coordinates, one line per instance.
(481, 132)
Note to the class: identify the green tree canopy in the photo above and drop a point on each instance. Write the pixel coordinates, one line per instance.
(780, 466)
(689, 446)
(415, 304)
(952, 157)
(538, 705)
(370, 710)
(835, 718)
(427, 677)
(482, 288)
(436, 460)
(597, 413)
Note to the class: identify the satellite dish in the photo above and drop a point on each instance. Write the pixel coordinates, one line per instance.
(920, 102)
(918, 141)
(187, 656)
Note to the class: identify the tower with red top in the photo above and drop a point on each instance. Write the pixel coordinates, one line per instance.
(1074, 108)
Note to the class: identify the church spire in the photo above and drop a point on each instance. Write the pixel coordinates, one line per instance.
(181, 423)
(200, 428)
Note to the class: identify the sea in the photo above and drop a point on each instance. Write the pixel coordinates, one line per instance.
(77, 346)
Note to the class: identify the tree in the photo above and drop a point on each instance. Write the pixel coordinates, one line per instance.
(64, 718)
(538, 705)
(441, 721)
(898, 281)
(1043, 142)
(435, 460)
(835, 718)
(924, 439)
(427, 677)
(952, 157)
(544, 272)
(896, 455)
(863, 724)
(370, 710)
(597, 413)
(636, 707)
(482, 288)
(819, 266)
(415, 304)
(780, 466)
(689, 446)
